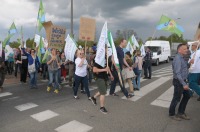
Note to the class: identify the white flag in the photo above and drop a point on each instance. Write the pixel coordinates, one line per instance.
(1, 48)
(37, 39)
(100, 56)
(70, 48)
(110, 38)
(132, 44)
(142, 50)
(8, 51)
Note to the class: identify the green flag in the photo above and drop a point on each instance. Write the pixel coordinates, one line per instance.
(44, 59)
(12, 29)
(41, 16)
(41, 45)
(170, 25)
(7, 40)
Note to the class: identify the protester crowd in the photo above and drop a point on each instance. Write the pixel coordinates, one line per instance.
(84, 69)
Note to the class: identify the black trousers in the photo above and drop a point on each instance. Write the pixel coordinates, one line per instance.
(178, 92)
(2, 77)
(24, 72)
(115, 81)
(147, 68)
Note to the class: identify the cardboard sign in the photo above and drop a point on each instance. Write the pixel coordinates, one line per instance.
(55, 35)
(87, 29)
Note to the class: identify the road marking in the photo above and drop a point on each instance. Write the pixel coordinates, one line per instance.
(162, 72)
(26, 106)
(165, 99)
(11, 98)
(5, 94)
(148, 88)
(45, 115)
(169, 74)
(74, 126)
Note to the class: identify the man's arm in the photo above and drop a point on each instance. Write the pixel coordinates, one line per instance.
(177, 71)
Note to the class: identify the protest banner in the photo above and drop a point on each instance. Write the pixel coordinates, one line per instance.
(87, 29)
(55, 35)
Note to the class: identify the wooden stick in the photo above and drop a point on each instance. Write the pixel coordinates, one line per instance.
(85, 46)
(34, 33)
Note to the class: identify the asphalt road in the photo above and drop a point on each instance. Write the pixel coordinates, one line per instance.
(26, 110)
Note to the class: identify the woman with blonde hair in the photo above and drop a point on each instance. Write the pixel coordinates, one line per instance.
(137, 68)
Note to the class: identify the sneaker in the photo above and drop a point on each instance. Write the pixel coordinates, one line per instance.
(103, 110)
(94, 101)
(76, 97)
(132, 94)
(176, 118)
(56, 91)
(183, 116)
(48, 89)
(129, 96)
(82, 91)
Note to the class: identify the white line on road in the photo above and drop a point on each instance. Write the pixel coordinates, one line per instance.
(26, 106)
(5, 94)
(74, 126)
(162, 75)
(148, 88)
(45, 115)
(164, 100)
(11, 98)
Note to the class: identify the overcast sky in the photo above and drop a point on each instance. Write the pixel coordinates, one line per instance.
(139, 15)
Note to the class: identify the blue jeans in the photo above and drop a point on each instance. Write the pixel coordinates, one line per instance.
(53, 78)
(178, 91)
(59, 76)
(78, 81)
(115, 81)
(193, 82)
(33, 79)
(136, 81)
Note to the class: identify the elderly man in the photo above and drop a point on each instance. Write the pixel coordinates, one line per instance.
(180, 75)
(194, 70)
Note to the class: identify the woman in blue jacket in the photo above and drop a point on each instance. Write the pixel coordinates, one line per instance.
(33, 67)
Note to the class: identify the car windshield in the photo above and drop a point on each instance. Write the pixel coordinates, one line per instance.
(155, 48)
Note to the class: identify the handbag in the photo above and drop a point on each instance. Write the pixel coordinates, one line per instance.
(126, 74)
(31, 68)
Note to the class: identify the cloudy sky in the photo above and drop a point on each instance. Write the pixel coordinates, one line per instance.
(140, 15)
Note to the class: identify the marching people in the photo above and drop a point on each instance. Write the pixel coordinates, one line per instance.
(81, 74)
(63, 66)
(194, 75)
(137, 68)
(22, 62)
(2, 70)
(180, 75)
(148, 63)
(10, 63)
(114, 70)
(127, 74)
(101, 79)
(33, 67)
(53, 62)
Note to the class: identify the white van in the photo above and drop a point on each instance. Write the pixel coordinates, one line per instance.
(161, 50)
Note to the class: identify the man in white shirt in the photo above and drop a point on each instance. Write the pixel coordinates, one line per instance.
(194, 76)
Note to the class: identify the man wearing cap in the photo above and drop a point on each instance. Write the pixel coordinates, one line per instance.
(194, 75)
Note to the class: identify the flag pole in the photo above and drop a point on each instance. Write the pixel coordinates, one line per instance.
(153, 35)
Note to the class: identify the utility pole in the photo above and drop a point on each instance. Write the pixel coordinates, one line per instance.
(72, 32)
